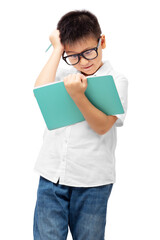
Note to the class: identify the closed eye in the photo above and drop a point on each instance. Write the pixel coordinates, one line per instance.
(88, 52)
(73, 56)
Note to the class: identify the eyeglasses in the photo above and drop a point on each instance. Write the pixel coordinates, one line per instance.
(89, 54)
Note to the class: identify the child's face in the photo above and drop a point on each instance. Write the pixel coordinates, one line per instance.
(87, 67)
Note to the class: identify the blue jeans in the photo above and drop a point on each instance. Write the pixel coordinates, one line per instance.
(83, 209)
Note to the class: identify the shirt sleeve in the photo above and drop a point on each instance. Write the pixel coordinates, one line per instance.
(122, 88)
(62, 72)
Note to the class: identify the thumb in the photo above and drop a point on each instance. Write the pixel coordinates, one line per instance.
(83, 78)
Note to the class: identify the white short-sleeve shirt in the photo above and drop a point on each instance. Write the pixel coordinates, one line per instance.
(76, 155)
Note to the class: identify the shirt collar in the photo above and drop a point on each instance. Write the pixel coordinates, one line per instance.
(105, 69)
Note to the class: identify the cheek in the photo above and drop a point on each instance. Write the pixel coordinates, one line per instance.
(77, 67)
(99, 59)
(100, 54)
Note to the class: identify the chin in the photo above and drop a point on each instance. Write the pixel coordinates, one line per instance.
(88, 73)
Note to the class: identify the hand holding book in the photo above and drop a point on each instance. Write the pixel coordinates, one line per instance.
(76, 85)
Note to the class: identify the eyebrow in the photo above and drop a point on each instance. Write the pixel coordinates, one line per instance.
(72, 52)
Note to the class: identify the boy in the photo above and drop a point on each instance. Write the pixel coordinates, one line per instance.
(77, 163)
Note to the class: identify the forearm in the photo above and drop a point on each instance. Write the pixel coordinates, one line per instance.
(97, 120)
(48, 73)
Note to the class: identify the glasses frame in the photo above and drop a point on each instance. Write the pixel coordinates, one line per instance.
(82, 54)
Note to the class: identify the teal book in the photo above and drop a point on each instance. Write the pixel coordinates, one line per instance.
(59, 110)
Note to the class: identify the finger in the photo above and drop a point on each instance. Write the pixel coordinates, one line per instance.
(78, 77)
(83, 78)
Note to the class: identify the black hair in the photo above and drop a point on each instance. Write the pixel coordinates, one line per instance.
(76, 25)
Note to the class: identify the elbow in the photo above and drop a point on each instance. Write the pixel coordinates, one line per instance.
(104, 128)
(108, 126)
(102, 131)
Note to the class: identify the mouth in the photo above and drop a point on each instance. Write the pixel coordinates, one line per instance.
(88, 67)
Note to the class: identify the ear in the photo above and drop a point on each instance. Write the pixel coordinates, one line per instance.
(103, 41)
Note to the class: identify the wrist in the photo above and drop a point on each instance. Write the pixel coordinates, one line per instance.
(58, 49)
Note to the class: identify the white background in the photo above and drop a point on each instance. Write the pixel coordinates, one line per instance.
(133, 39)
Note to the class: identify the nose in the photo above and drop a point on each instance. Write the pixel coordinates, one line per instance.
(83, 61)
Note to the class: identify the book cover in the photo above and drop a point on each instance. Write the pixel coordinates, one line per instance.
(59, 110)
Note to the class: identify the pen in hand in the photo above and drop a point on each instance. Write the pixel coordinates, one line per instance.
(55, 40)
(48, 47)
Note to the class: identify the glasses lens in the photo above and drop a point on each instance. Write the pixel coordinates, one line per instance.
(73, 59)
(90, 54)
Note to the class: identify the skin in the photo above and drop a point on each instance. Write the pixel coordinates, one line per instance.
(87, 67)
(76, 84)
